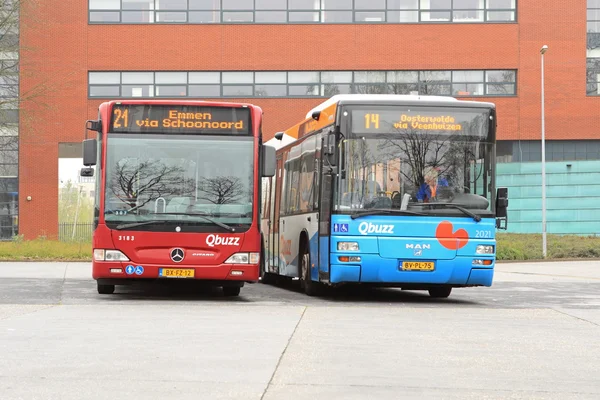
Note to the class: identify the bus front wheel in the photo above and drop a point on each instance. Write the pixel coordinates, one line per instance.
(440, 292)
(106, 289)
(231, 291)
(310, 287)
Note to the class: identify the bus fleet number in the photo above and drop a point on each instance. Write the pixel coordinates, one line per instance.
(483, 234)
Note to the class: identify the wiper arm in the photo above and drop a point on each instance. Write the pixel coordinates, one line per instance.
(205, 216)
(380, 211)
(471, 214)
(136, 224)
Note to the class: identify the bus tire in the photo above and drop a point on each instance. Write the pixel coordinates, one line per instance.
(106, 289)
(440, 292)
(310, 288)
(231, 291)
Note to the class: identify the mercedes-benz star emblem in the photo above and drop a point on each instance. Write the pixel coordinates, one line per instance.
(177, 255)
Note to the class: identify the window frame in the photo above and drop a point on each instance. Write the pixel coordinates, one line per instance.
(357, 15)
(316, 84)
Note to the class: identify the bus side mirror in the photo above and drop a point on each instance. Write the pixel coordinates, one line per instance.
(502, 208)
(329, 149)
(87, 172)
(90, 152)
(268, 161)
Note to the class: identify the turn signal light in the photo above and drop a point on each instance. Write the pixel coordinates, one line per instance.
(349, 258)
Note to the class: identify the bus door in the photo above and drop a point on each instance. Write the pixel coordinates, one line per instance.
(265, 222)
(314, 165)
(274, 217)
(325, 179)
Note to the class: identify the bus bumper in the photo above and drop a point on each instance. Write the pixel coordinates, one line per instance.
(460, 271)
(126, 271)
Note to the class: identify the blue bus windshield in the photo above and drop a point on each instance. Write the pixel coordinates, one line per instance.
(415, 159)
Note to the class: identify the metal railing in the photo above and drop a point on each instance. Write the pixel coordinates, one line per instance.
(74, 232)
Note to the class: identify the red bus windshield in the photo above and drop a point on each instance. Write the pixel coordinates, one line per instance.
(176, 179)
(172, 166)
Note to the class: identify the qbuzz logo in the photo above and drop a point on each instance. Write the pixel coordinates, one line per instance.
(216, 240)
(367, 227)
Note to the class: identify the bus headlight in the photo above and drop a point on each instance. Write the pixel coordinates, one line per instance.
(347, 246)
(109, 255)
(484, 249)
(244, 258)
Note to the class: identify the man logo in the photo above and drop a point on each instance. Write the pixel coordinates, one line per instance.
(418, 248)
(177, 255)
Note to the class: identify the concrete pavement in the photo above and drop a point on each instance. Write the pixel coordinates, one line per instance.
(533, 335)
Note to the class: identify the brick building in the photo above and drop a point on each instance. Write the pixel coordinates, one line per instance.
(287, 56)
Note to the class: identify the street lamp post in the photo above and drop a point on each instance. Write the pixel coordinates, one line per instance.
(543, 51)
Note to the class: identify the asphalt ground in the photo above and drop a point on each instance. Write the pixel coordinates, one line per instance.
(535, 334)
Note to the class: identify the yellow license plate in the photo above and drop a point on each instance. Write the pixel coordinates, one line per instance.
(176, 273)
(417, 266)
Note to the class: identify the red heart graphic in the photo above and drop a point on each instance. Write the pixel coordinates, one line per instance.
(448, 239)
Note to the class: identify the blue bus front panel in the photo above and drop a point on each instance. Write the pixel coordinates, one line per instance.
(412, 250)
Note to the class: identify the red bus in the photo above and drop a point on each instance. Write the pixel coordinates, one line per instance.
(177, 192)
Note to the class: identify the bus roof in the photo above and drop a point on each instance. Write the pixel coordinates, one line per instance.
(328, 108)
(395, 98)
(359, 98)
(208, 103)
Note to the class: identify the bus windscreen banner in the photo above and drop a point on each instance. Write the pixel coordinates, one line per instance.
(174, 119)
(421, 120)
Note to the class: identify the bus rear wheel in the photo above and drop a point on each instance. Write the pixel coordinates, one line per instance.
(440, 292)
(106, 289)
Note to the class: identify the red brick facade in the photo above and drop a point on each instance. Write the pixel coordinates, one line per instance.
(59, 47)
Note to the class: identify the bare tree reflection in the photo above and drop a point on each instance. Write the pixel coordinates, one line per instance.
(360, 158)
(593, 70)
(137, 183)
(417, 152)
(222, 189)
(450, 153)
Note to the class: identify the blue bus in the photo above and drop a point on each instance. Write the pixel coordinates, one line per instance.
(385, 190)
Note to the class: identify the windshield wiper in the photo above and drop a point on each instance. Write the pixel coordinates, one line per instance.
(205, 216)
(476, 217)
(136, 224)
(383, 210)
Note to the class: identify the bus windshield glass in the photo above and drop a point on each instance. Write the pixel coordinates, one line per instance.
(200, 182)
(421, 159)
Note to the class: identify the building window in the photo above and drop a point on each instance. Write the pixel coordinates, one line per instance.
(593, 48)
(300, 11)
(9, 184)
(243, 84)
(556, 150)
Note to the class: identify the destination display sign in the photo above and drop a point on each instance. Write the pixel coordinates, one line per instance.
(177, 119)
(432, 121)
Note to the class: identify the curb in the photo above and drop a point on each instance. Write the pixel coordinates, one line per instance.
(546, 260)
